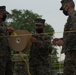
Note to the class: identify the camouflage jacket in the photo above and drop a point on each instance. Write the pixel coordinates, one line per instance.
(42, 47)
(4, 44)
(69, 36)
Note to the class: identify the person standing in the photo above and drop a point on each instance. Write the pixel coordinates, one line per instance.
(39, 62)
(68, 42)
(5, 52)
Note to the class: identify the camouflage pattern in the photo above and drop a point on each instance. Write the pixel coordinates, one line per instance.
(20, 67)
(69, 36)
(70, 63)
(63, 2)
(69, 47)
(39, 61)
(66, 1)
(3, 9)
(5, 53)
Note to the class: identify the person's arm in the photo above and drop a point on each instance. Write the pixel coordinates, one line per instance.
(33, 39)
(58, 41)
(10, 29)
(4, 27)
(48, 43)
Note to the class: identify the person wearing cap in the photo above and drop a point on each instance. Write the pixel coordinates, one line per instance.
(68, 42)
(5, 53)
(39, 61)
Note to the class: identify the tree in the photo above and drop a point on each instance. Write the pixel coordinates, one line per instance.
(21, 19)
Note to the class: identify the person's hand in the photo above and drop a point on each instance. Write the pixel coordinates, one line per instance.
(57, 41)
(10, 29)
(33, 39)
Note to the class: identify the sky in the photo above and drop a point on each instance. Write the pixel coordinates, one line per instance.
(49, 9)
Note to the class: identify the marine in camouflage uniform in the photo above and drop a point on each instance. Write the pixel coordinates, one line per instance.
(39, 61)
(69, 38)
(5, 53)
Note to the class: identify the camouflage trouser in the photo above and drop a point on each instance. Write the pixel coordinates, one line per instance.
(20, 68)
(70, 63)
(40, 70)
(40, 67)
(5, 66)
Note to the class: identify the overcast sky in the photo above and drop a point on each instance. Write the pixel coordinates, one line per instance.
(49, 9)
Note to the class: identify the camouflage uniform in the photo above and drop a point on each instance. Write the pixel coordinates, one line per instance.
(69, 47)
(39, 60)
(5, 59)
(19, 65)
(5, 53)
